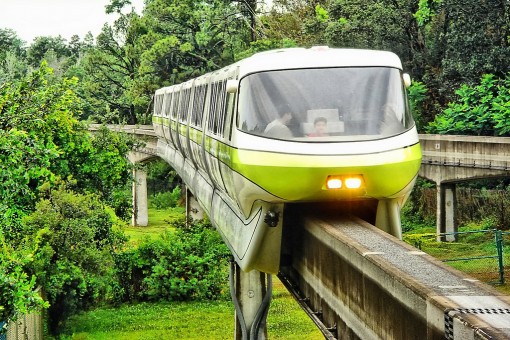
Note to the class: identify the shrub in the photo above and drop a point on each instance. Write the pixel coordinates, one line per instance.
(167, 199)
(17, 289)
(187, 264)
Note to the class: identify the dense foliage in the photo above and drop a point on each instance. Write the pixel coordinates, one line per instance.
(43, 225)
(76, 237)
(18, 293)
(187, 264)
(482, 109)
(168, 199)
(42, 141)
(484, 203)
(442, 44)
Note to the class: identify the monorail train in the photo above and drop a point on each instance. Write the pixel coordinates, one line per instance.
(287, 126)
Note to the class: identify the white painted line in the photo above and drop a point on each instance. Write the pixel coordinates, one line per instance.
(372, 253)
(417, 252)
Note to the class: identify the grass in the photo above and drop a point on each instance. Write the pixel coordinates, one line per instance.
(188, 320)
(159, 221)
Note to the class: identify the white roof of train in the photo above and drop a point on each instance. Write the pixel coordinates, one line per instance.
(320, 56)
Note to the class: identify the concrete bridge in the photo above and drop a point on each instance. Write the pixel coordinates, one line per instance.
(146, 152)
(448, 160)
(357, 282)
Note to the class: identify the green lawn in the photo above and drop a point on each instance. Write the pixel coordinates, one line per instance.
(188, 320)
(159, 221)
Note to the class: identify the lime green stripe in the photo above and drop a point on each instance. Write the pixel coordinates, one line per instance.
(303, 177)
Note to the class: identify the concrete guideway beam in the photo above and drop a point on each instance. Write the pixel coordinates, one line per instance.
(369, 285)
(448, 160)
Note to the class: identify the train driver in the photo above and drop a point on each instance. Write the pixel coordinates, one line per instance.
(279, 128)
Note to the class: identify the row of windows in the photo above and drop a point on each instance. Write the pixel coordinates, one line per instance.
(218, 105)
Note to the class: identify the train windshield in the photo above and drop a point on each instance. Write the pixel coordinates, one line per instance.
(324, 105)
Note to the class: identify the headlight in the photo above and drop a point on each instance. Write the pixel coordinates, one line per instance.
(347, 182)
(353, 182)
(334, 183)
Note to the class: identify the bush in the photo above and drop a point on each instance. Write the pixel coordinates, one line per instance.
(122, 203)
(187, 264)
(75, 238)
(161, 176)
(164, 200)
(17, 289)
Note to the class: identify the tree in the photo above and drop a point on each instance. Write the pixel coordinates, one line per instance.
(36, 128)
(112, 69)
(285, 21)
(189, 38)
(464, 40)
(12, 67)
(40, 47)
(476, 41)
(41, 140)
(10, 42)
(12, 56)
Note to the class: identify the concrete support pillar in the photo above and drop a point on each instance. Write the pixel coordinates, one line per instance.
(251, 294)
(140, 207)
(446, 208)
(193, 209)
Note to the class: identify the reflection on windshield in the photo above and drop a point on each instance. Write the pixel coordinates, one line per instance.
(324, 104)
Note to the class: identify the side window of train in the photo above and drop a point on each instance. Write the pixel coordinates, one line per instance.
(157, 105)
(222, 107)
(183, 107)
(231, 101)
(217, 108)
(175, 105)
(212, 109)
(198, 106)
(165, 104)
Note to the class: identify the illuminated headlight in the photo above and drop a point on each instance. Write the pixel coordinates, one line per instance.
(334, 183)
(353, 182)
(349, 182)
